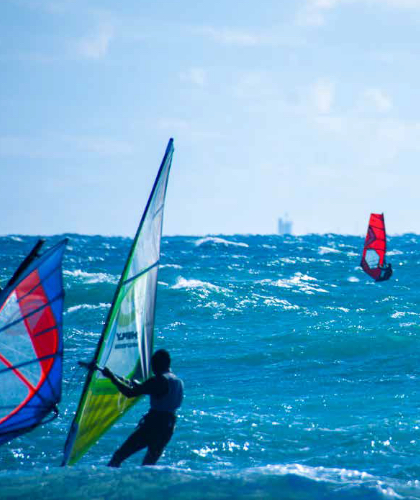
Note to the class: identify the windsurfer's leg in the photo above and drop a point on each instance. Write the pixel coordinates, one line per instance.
(158, 440)
(152, 456)
(136, 442)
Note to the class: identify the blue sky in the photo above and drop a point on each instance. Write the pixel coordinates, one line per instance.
(309, 107)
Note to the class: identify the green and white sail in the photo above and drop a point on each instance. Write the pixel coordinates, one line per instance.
(126, 344)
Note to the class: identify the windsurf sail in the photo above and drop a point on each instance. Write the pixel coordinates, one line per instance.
(126, 342)
(31, 342)
(374, 250)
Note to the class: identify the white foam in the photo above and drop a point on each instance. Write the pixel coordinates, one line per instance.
(353, 279)
(325, 250)
(91, 277)
(344, 309)
(298, 281)
(395, 252)
(219, 241)
(203, 285)
(401, 314)
(87, 306)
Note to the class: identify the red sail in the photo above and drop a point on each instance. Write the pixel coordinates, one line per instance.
(373, 257)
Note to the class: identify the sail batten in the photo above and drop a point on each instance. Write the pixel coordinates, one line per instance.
(126, 342)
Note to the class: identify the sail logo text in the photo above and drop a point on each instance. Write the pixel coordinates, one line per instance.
(127, 336)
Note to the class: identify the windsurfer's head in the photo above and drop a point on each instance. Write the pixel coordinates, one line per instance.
(161, 361)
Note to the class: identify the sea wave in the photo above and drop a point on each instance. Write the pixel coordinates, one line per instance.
(183, 283)
(213, 240)
(289, 481)
(299, 282)
(326, 250)
(91, 278)
(87, 306)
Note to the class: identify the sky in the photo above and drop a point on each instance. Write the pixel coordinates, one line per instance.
(305, 107)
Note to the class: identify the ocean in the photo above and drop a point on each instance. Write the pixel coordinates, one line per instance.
(301, 374)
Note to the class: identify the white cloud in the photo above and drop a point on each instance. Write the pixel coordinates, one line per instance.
(407, 4)
(96, 46)
(313, 13)
(61, 146)
(323, 93)
(196, 76)
(174, 125)
(378, 99)
(255, 85)
(103, 146)
(331, 124)
(228, 36)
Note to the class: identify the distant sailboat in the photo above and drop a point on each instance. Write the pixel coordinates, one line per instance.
(374, 250)
(31, 344)
(126, 343)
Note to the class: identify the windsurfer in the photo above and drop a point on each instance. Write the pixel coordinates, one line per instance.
(155, 429)
(386, 272)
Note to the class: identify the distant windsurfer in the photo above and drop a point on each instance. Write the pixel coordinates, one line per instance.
(155, 429)
(386, 272)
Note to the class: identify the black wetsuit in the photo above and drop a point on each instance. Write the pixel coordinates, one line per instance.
(155, 429)
(386, 273)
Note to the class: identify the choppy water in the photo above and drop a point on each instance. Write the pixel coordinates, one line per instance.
(301, 374)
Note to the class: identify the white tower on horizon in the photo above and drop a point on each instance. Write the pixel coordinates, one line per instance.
(285, 225)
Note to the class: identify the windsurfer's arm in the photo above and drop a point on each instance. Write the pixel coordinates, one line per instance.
(155, 386)
(126, 387)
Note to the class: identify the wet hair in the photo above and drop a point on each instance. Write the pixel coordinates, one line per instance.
(161, 361)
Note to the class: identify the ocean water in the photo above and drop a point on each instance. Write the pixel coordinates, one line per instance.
(301, 374)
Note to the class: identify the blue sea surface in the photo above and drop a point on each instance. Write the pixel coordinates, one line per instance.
(301, 373)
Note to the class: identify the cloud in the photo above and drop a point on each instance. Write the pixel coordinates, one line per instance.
(323, 93)
(174, 125)
(313, 13)
(229, 36)
(255, 85)
(378, 100)
(196, 76)
(402, 4)
(102, 146)
(61, 146)
(27, 147)
(96, 46)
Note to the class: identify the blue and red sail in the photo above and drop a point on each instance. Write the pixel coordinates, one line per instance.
(374, 250)
(31, 342)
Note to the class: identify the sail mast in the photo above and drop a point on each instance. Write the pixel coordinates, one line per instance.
(125, 342)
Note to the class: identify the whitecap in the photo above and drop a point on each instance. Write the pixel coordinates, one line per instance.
(174, 266)
(395, 252)
(325, 250)
(183, 283)
(91, 277)
(284, 304)
(87, 306)
(343, 309)
(298, 281)
(401, 314)
(353, 279)
(219, 241)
